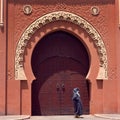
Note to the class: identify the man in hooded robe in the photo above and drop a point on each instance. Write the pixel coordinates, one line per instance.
(78, 108)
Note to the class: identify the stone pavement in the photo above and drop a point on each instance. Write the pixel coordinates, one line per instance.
(109, 116)
(15, 117)
(62, 117)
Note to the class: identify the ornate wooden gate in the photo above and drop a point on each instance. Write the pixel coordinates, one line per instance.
(57, 76)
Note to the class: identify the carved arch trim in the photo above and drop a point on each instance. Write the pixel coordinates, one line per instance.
(63, 16)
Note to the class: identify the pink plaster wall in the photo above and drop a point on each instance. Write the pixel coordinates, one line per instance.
(105, 95)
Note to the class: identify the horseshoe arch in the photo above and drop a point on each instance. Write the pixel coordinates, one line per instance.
(55, 16)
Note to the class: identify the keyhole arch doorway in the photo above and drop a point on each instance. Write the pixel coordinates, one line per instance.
(59, 62)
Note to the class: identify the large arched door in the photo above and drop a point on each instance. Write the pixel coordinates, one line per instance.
(60, 62)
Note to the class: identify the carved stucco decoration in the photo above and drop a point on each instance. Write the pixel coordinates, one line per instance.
(55, 16)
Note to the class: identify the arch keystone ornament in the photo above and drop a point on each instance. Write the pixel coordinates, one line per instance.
(63, 16)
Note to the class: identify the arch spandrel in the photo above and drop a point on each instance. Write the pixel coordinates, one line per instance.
(63, 16)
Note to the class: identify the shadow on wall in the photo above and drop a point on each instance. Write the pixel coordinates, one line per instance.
(100, 84)
(24, 84)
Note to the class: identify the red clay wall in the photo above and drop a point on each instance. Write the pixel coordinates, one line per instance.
(103, 93)
(117, 51)
(3, 43)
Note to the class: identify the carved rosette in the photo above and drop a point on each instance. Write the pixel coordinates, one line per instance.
(55, 16)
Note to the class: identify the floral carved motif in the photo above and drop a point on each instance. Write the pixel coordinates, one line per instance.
(55, 16)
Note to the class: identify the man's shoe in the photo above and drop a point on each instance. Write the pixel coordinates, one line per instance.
(77, 116)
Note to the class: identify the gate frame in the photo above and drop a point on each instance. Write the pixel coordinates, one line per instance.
(60, 16)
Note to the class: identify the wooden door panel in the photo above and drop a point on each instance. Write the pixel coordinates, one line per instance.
(49, 97)
(55, 88)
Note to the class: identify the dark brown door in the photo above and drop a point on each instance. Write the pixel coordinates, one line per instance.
(58, 77)
(58, 70)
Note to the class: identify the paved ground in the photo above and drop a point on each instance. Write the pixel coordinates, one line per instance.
(84, 117)
(65, 117)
